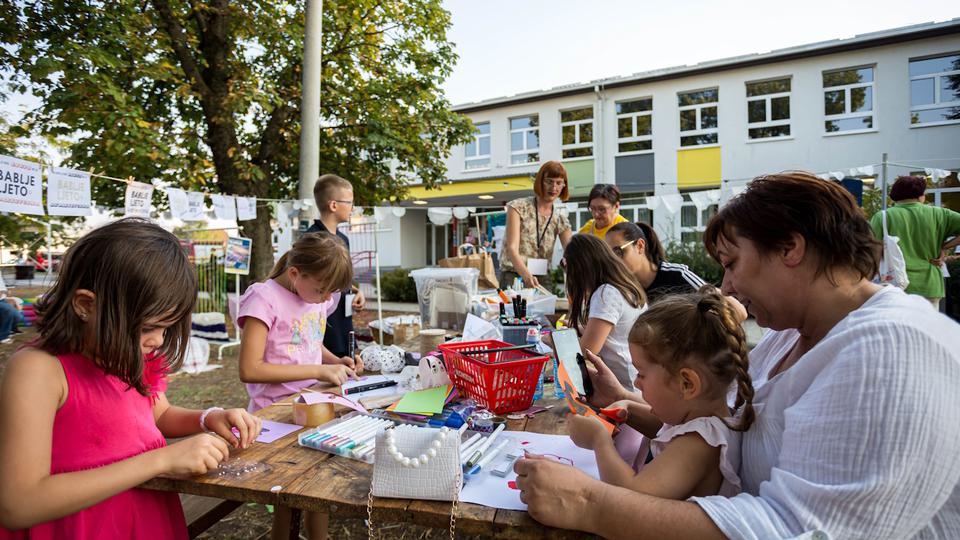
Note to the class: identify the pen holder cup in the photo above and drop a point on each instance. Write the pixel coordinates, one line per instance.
(312, 415)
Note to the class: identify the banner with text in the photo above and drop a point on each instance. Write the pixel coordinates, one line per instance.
(196, 206)
(246, 208)
(68, 192)
(138, 199)
(21, 189)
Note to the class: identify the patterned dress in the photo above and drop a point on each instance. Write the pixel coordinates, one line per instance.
(550, 228)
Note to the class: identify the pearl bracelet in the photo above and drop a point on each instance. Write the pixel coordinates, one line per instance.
(203, 418)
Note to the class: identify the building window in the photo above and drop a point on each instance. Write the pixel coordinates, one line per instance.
(634, 125)
(477, 151)
(848, 99)
(698, 117)
(693, 222)
(768, 109)
(525, 139)
(935, 90)
(576, 128)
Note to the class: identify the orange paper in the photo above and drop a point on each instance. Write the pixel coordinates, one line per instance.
(575, 401)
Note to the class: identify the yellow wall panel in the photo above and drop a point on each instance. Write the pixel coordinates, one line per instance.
(698, 167)
(472, 187)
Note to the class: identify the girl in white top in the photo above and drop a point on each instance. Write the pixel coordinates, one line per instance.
(605, 301)
(688, 350)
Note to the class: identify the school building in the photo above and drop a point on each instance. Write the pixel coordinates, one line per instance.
(678, 141)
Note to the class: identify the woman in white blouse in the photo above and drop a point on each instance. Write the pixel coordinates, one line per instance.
(858, 409)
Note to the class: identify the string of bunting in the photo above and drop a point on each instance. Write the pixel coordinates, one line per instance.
(68, 194)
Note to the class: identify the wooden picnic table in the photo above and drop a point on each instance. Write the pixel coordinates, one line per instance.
(311, 480)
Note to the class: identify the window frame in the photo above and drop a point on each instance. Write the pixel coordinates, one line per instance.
(937, 104)
(525, 150)
(768, 110)
(846, 115)
(634, 116)
(478, 156)
(577, 145)
(703, 217)
(698, 108)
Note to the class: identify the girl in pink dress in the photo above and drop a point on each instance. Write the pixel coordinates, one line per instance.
(82, 409)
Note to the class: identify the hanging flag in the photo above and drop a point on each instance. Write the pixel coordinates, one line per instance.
(224, 207)
(178, 202)
(196, 206)
(246, 208)
(68, 192)
(21, 189)
(138, 199)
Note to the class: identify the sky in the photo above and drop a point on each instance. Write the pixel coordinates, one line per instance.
(508, 47)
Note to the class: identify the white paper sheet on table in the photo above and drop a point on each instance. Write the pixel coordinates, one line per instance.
(489, 490)
(271, 431)
(476, 329)
(371, 379)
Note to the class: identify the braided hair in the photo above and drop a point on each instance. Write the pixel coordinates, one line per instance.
(700, 328)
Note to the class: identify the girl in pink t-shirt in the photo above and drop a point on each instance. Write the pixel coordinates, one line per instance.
(82, 409)
(283, 321)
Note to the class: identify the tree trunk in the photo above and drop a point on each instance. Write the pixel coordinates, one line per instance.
(259, 231)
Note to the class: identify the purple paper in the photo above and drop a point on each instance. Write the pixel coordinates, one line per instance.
(271, 431)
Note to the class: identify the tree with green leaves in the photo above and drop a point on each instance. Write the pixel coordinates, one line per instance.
(206, 95)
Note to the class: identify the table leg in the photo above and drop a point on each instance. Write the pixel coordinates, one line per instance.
(294, 524)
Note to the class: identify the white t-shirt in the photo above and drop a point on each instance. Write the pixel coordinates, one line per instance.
(607, 304)
(859, 438)
(714, 432)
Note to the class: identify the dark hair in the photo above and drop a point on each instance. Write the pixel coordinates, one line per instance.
(590, 264)
(700, 327)
(552, 169)
(775, 206)
(908, 187)
(323, 190)
(139, 273)
(632, 232)
(321, 256)
(608, 192)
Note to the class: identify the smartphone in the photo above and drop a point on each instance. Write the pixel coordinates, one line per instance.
(566, 345)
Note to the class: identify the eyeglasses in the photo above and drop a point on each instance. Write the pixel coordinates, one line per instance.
(618, 251)
(558, 182)
(600, 209)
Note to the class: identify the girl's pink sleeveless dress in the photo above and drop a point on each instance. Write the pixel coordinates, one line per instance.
(101, 422)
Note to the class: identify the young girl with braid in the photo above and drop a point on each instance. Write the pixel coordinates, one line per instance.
(688, 350)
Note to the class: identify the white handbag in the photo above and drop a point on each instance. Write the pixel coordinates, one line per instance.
(893, 267)
(413, 462)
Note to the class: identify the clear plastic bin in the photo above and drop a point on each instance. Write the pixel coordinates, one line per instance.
(444, 295)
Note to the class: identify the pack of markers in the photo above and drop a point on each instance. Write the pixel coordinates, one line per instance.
(352, 435)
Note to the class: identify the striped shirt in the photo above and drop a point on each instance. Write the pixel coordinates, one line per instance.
(673, 278)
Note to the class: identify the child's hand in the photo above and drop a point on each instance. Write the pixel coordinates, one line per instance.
(586, 431)
(336, 374)
(359, 301)
(223, 423)
(606, 387)
(197, 455)
(353, 363)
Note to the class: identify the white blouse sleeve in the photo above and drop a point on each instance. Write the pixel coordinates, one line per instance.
(869, 450)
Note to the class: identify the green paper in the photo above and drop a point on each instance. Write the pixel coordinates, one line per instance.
(429, 401)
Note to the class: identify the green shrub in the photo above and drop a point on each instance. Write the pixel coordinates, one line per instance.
(696, 257)
(398, 286)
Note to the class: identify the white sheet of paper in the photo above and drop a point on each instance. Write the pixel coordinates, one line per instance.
(494, 491)
(476, 329)
(348, 305)
(537, 267)
(370, 379)
(271, 431)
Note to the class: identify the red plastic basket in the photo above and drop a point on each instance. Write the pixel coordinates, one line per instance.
(502, 382)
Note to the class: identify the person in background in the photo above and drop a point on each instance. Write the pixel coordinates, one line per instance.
(857, 424)
(534, 224)
(605, 301)
(923, 231)
(11, 314)
(638, 245)
(604, 205)
(334, 197)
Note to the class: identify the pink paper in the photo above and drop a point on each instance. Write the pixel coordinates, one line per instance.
(271, 431)
(312, 398)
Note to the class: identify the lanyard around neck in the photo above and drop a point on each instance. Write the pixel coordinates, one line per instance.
(536, 212)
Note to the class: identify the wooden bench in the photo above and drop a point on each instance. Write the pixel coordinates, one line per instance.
(202, 513)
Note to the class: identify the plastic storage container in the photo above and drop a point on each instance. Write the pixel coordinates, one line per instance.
(444, 295)
(501, 381)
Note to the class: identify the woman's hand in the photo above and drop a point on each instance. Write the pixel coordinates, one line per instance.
(555, 494)
(197, 455)
(359, 301)
(606, 387)
(530, 280)
(586, 431)
(231, 422)
(335, 374)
